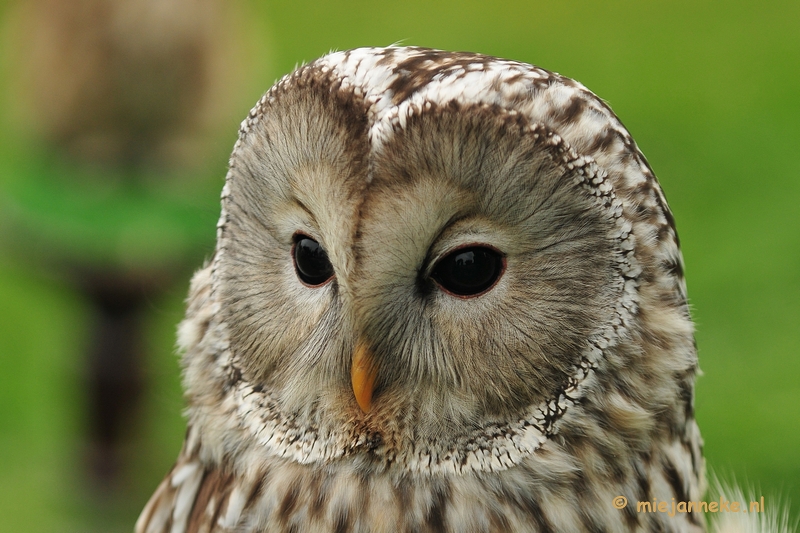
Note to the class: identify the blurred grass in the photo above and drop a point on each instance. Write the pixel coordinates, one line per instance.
(710, 92)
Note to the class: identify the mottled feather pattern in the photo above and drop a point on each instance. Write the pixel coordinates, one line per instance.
(584, 393)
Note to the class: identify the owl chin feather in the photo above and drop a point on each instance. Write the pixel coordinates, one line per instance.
(447, 295)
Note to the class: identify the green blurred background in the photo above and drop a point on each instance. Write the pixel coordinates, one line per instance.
(709, 90)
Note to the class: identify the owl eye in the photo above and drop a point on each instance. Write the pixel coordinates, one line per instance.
(311, 262)
(469, 271)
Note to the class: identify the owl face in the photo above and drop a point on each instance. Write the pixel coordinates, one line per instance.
(447, 295)
(414, 251)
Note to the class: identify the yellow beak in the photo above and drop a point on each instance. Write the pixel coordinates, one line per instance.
(362, 375)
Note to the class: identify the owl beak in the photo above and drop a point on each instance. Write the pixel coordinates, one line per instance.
(362, 375)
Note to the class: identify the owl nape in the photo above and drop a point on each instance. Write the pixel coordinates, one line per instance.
(447, 296)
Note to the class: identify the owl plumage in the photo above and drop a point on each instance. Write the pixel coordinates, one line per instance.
(384, 397)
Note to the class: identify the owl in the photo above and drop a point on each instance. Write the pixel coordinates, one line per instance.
(447, 296)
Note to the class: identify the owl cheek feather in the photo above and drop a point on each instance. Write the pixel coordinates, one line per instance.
(362, 375)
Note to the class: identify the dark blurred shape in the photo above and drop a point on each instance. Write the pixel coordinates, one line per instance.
(115, 378)
(125, 97)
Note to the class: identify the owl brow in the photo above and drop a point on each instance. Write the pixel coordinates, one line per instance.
(304, 207)
(299, 203)
(249, 168)
(454, 219)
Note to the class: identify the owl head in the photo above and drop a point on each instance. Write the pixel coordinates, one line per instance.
(437, 262)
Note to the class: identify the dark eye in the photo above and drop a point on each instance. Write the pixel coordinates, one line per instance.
(311, 262)
(469, 271)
